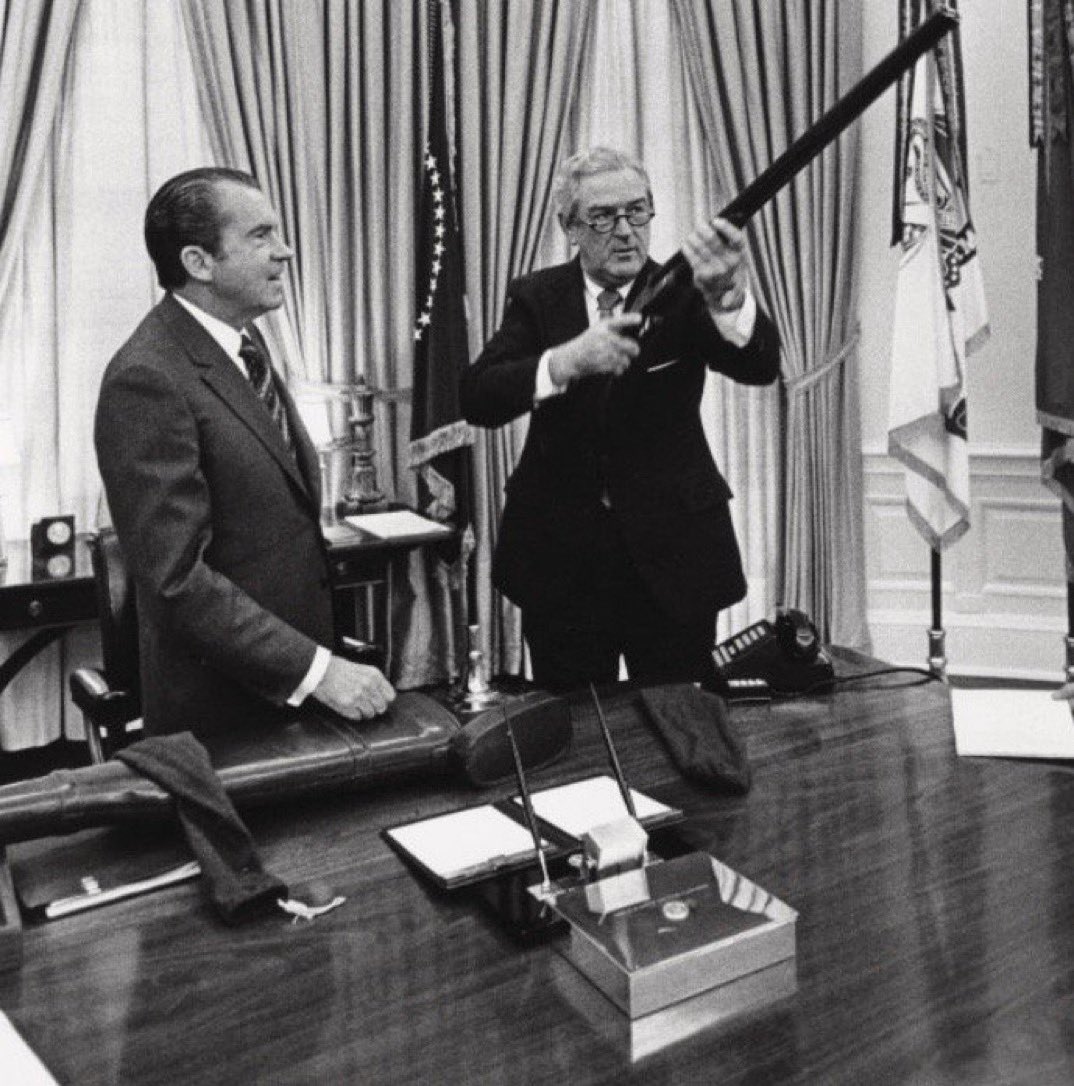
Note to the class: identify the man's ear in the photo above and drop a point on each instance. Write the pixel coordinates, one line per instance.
(567, 227)
(197, 262)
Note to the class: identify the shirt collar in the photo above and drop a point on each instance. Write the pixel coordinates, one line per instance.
(221, 331)
(593, 288)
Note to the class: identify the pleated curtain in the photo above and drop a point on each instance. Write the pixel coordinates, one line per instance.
(519, 73)
(324, 102)
(762, 73)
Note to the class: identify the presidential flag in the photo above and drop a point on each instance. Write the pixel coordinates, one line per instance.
(940, 313)
(439, 438)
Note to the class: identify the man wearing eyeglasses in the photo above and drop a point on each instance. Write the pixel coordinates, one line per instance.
(616, 537)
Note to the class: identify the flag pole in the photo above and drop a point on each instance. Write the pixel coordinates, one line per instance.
(1068, 671)
(937, 636)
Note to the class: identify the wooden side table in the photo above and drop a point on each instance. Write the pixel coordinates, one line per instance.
(46, 608)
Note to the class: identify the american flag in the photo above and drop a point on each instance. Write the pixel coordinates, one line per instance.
(439, 437)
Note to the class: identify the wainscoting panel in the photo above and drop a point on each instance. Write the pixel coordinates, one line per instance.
(1004, 588)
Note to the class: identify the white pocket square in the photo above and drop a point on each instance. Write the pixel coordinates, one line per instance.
(663, 365)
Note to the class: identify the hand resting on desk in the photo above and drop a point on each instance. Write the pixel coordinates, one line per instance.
(356, 691)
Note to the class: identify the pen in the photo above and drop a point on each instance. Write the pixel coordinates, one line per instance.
(527, 805)
(613, 757)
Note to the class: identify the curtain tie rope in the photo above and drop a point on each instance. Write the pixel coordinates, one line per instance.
(803, 382)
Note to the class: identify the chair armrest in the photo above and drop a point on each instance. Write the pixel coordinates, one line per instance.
(112, 717)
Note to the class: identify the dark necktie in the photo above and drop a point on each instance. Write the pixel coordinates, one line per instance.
(260, 373)
(607, 300)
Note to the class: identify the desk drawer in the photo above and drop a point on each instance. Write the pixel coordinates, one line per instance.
(47, 603)
(352, 571)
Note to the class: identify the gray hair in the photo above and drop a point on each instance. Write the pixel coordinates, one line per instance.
(585, 164)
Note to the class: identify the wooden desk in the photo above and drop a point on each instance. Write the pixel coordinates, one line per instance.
(935, 941)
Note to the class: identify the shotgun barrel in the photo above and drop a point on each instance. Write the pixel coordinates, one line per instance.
(675, 275)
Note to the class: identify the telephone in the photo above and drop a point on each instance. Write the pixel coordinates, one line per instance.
(785, 654)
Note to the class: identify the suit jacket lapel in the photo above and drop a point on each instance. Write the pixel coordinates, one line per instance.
(568, 303)
(223, 377)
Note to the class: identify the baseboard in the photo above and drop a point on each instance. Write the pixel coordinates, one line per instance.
(989, 646)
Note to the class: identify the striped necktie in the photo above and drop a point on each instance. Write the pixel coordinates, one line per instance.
(259, 371)
(607, 300)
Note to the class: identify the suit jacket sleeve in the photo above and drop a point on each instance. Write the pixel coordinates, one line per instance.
(147, 446)
(499, 386)
(756, 362)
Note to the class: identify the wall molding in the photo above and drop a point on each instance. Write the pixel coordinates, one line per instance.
(1004, 582)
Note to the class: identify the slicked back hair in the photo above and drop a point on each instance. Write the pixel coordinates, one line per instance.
(185, 211)
(585, 164)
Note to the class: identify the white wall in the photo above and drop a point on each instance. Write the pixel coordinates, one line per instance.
(1004, 586)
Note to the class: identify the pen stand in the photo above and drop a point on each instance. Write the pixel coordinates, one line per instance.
(674, 930)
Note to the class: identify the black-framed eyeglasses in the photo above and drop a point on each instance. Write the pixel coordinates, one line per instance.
(602, 220)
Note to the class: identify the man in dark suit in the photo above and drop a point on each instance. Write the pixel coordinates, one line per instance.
(616, 536)
(213, 482)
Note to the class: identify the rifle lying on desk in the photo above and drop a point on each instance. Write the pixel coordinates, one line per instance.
(417, 736)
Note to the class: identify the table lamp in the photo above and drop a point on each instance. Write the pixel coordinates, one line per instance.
(9, 457)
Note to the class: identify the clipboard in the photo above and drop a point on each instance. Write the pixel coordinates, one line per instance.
(472, 844)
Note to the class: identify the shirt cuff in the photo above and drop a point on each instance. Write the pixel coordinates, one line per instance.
(313, 677)
(736, 325)
(545, 388)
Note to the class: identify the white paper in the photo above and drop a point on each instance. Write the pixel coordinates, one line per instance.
(453, 844)
(576, 808)
(396, 524)
(1011, 724)
(18, 1061)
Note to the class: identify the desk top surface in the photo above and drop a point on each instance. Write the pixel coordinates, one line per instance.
(935, 935)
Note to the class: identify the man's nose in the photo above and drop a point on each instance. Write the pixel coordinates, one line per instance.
(283, 251)
(622, 228)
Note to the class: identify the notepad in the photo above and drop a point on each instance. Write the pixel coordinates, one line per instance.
(463, 847)
(1011, 724)
(454, 846)
(576, 808)
(397, 524)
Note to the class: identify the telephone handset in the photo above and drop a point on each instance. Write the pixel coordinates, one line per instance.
(786, 654)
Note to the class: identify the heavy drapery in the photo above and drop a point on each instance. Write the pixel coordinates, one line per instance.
(324, 103)
(518, 76)
(122, 119)
(762, 74)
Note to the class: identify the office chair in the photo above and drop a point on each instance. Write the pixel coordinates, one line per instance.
(110, 696)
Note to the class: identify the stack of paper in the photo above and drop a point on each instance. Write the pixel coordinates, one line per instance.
(397, 524)
(1011, 724)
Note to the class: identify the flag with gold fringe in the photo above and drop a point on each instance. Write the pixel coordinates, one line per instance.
(439, 437)
(940, 312)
